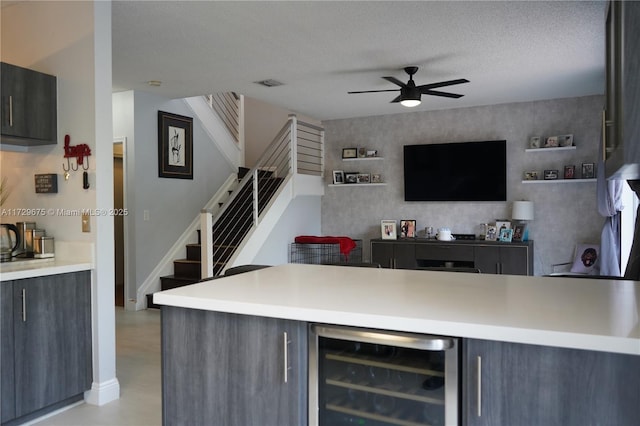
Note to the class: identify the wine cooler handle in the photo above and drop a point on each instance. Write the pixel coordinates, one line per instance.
(479, 386)
(285, 348)
(24, 305)
(10, 111)
(391, 338)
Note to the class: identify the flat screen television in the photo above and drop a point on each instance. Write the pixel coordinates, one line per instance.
(463, 171)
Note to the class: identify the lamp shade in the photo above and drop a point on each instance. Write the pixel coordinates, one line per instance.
(522, 210)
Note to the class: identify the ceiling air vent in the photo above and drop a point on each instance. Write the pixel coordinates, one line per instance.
(269, 83)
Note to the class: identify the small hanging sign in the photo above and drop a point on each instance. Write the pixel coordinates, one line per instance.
(46, 183)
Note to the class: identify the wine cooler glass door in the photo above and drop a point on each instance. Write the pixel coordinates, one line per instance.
(369, 377)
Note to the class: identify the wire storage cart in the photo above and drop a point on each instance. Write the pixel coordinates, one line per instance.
(324, 251)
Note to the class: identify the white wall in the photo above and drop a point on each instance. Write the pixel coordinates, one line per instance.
(302, 217)
(71, 40)
(565, 214)
(172, 204)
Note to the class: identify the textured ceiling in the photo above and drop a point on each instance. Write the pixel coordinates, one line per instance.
(510, 51)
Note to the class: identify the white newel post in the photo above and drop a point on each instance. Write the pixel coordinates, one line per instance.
(206, 244)
(294, 143)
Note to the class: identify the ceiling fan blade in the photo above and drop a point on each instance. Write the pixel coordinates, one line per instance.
(442, 84)
(375, 91)
(395, 81)
(444, 94)
(398, 99)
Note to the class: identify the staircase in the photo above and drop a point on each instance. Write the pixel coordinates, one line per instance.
(228, 233)
(236, 221)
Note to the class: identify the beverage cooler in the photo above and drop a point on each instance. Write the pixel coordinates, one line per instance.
(374, 378)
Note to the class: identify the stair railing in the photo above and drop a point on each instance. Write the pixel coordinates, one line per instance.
(298, 147)
(228, 106)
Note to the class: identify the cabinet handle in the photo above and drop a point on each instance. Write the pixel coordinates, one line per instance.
(10, 111)
(479, 386)
(24, 305)
(286, 341)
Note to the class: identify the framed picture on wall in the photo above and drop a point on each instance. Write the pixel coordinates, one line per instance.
(588, 170)
(175, 146)
(388, 229)
(349, 153)
(351, 177)
(569, 172)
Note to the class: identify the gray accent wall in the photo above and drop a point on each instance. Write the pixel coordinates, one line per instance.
(565, 213)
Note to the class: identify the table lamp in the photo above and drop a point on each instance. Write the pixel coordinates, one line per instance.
(522, 212)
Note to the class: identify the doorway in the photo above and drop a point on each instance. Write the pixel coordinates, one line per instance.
(118, 220)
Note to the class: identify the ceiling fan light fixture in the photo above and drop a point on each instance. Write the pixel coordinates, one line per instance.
(410, 103)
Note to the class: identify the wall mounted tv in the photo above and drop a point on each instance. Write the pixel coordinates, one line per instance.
(463, 171)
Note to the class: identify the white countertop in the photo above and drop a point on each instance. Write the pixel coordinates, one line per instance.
(576, 313)
(70, 257)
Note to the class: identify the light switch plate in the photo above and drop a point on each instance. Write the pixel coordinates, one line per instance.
(86, 224)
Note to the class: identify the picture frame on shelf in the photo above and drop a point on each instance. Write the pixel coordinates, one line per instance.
(175, 146)
(364, 178)
(492, 232)
(351, 177)
(551, 142)
(388, 229)
(506, 235)
(550, 174)
(407, 228)
(519, 231)
(531, 175)
(502, 224)
(588, 170)
(362, 152)
(376, 178)
(570, 172)
(338, 177)
(534, 142)
(565, 140)
(349, 153)
(372, 153)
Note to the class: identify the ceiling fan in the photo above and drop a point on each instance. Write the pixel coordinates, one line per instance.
(410, 93)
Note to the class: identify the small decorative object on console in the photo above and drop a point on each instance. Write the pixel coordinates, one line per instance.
(388, 229)
(550, 174)
(519, 231)
(506, 235)
(407, 228)
(492, 232)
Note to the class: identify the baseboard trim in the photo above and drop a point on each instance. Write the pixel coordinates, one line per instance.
(103, 393)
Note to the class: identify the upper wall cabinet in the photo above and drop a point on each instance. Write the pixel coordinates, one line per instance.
(29, 115)
(622, 115)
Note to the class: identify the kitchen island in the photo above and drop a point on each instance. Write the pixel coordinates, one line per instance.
(577, 321)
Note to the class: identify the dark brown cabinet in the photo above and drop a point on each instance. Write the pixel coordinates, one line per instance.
(518, 384)
(46, 343)
(29, 109)
(489, 257)
(622, 107)
(228, 369)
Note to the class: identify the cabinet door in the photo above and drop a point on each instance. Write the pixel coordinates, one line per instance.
(52, 326)
(516, 384)
(29, 105)
(7, 395)
(487, 259)
(382, 253)
(227, 369)
(514, 260)
(405, 256)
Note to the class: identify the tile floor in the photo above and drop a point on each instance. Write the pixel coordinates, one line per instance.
(137, 370)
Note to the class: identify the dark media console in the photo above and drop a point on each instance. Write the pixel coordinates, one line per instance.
(489, 257)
